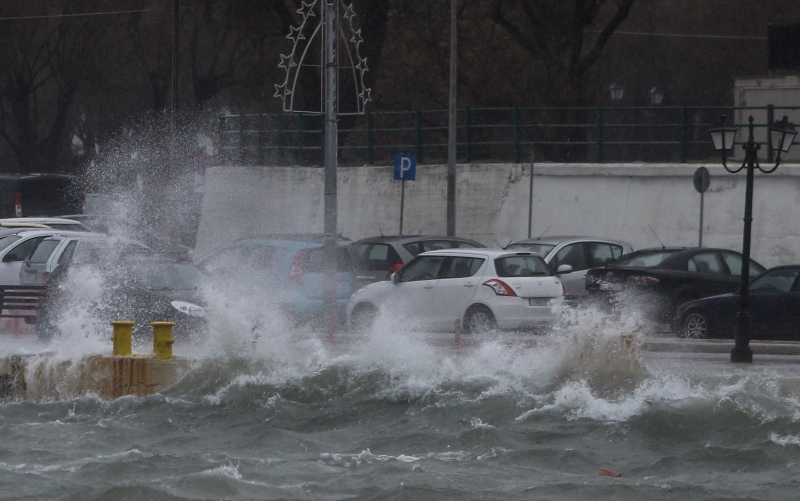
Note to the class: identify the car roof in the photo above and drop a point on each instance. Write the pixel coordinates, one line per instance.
(414, 238)
(557, 239)
(41, 220)
(479, 252)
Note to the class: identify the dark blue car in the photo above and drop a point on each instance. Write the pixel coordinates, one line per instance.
(774, 306)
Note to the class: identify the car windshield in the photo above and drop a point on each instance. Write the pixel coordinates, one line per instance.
(541, 249)
(521, 266)
(780, 280)
(165, 275)
(642, 259)
(8, 240)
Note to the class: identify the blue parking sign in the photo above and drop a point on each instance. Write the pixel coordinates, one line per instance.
(405, 166)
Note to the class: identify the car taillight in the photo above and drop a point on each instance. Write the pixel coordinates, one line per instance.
(641, 281)
(500, 288)
(296, 270)
(18, 204)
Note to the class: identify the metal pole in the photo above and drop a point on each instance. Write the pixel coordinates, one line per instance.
(451, 127)
(174, 96)
(330, 160)
(741, 351)
(700, 240)
(402, 203)
(530, 197)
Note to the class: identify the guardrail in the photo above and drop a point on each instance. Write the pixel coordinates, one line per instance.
(20, 301)
(557, 134)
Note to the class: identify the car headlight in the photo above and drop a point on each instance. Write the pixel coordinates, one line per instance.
(189, 308)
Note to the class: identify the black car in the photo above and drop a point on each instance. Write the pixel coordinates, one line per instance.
(773, 304)
(655, 281)
(143, 288)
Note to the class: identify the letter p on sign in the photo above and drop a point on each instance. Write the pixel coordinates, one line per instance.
(405, 167)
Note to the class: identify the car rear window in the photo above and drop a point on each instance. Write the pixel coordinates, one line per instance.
(541, 249)
(314, 260)
(635, 260)
(375, 256)
(521, 266)
(428, 245)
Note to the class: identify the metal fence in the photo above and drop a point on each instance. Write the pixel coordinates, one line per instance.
(558, 134)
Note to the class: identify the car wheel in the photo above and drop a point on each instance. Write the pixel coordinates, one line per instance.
(479, 319)
(695, 325)
(363, 317)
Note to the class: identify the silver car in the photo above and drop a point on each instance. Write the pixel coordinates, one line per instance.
(571, 256)
(376, 258)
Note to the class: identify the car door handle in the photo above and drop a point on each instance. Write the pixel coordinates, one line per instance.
(428, 287)
(469, 285)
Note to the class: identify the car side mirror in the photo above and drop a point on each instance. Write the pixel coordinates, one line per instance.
(395, 278)
(564, 268)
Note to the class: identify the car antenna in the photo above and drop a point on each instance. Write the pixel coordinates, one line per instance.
(654, 234)
(380, 230)
(545, 231)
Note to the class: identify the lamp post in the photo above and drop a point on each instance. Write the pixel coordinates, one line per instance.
(782, 134)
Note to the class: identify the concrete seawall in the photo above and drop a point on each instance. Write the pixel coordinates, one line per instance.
(644, 204)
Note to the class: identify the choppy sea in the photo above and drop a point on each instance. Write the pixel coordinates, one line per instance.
(269, 413)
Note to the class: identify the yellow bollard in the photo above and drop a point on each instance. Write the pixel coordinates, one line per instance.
(162, 339)
(123, 331)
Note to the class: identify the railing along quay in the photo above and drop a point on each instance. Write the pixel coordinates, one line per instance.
(602, 134)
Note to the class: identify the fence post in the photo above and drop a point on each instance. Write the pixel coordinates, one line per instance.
(684, 134)
(770, 121)
(600, 132)
(517, 148)
(467, 134)
(242, 148)
(280, 138)
(222, 146)
(418, 128)
(260, 142)
(300, 139)
(370, 150)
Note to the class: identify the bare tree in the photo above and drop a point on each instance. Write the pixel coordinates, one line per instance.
(566, 34)
(42, 62)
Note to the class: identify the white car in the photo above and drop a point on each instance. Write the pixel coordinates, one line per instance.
(52, 251)
(484, 289)
(15, 247)
(56, 223)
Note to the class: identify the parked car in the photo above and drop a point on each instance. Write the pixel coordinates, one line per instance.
(57, 249)
(483, 288)
(571, 256)
(286, 270)
(141, 287)
(155, 240)
(773, 304)
(16, 246)
(56, 223)
(376, 258)
(655, 281)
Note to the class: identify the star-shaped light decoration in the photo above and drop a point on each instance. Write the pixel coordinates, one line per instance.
(307, 10)
(292, 66)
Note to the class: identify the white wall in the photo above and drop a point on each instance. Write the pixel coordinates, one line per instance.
(640, 203)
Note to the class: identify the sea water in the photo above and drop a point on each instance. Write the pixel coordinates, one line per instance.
(275, 412)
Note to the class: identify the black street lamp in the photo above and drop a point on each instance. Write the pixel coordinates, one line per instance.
(782, 134)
